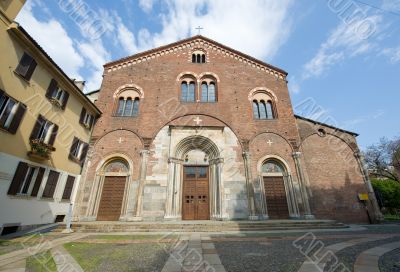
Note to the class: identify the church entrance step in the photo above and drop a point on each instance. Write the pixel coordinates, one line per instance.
(202, 226)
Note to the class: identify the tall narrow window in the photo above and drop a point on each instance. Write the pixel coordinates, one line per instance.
(135, 110)
(191, 94)
(256, 111)
(204, 92)
(27, 181)
(198, 58)
(263, 110)
(203, 58)
(270, 113)
(7, 112)
(184, 91)
(26, 66)
(128, 107)
(121, 103)
(211, 92)
(194, 58)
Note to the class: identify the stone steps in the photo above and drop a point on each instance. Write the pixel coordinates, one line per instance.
(209, 226)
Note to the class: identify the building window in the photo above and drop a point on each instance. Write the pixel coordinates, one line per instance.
(26, 66)
(51, 184)
(263, 110)
(188, 91)
(208, 92)
(198, 57)
(78, 150)
(11, 113)
(128, 107)
(86, 119)
(27, 180)
(57, 95)
(44, 131)
(69, 185)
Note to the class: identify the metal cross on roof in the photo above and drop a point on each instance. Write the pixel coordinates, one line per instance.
(199, 28)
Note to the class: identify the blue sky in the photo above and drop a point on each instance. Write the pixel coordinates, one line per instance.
(342, 56)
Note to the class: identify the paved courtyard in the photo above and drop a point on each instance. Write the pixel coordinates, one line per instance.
(359, 248)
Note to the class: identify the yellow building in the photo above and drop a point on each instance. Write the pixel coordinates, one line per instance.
(45, 127)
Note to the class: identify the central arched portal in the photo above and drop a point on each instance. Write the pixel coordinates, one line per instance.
(194, 181)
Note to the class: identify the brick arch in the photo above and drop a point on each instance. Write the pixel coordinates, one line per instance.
(205, 74)
(125, 87)
(187, 73)
(330, 134)
(271, 132)
(111, 131)
(265, 90)
(191, 114)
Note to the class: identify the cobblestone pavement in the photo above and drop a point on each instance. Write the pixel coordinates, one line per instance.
(369, 248)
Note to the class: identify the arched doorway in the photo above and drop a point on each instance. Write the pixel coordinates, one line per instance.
(273, 173)
(115, 174)
(196, 193)
(194, 181)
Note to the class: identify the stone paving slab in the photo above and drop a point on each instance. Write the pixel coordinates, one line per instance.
(197, 254)
(368, 260)
(19, 266)
(309, 266)
(64, 261)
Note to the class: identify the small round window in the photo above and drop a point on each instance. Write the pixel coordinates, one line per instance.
(321, 132)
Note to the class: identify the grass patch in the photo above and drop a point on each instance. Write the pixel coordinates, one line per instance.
(119, 257)
(390, 217)
(7, 246)
(132, 237)
(41, 262)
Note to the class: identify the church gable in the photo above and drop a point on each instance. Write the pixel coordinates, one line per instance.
(198, 49)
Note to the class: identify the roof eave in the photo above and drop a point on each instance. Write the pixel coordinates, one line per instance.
(22, 34)
(326, 125)
(119, 61)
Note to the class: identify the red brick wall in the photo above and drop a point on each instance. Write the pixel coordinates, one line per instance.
(335, 179)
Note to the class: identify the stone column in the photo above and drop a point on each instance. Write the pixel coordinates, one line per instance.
(173, 189)
(302, 184)
(377, 215)
(263, 204)
(142, 178)
(250, 187)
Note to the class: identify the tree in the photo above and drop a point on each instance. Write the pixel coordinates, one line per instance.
(383, 159)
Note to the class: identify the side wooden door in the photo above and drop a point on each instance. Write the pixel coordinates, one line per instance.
(275, 195)
(111, 199)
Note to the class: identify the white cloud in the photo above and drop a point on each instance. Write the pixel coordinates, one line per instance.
(343, 43)
(126, 38)
(95, 56)
(393, 54)
(72, 55)
(255, 27)
(391, 5)
(146, 5)
(55, 42)
(294, 86)
(352, 123)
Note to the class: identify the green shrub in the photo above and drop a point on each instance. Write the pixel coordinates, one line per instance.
(390, 191)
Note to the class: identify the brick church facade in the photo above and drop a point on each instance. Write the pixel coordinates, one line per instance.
(198, 131)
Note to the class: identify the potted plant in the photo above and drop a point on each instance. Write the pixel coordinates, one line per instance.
(39, 149)
(55, 102)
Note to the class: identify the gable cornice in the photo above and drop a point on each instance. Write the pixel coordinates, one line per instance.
(194, 43)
